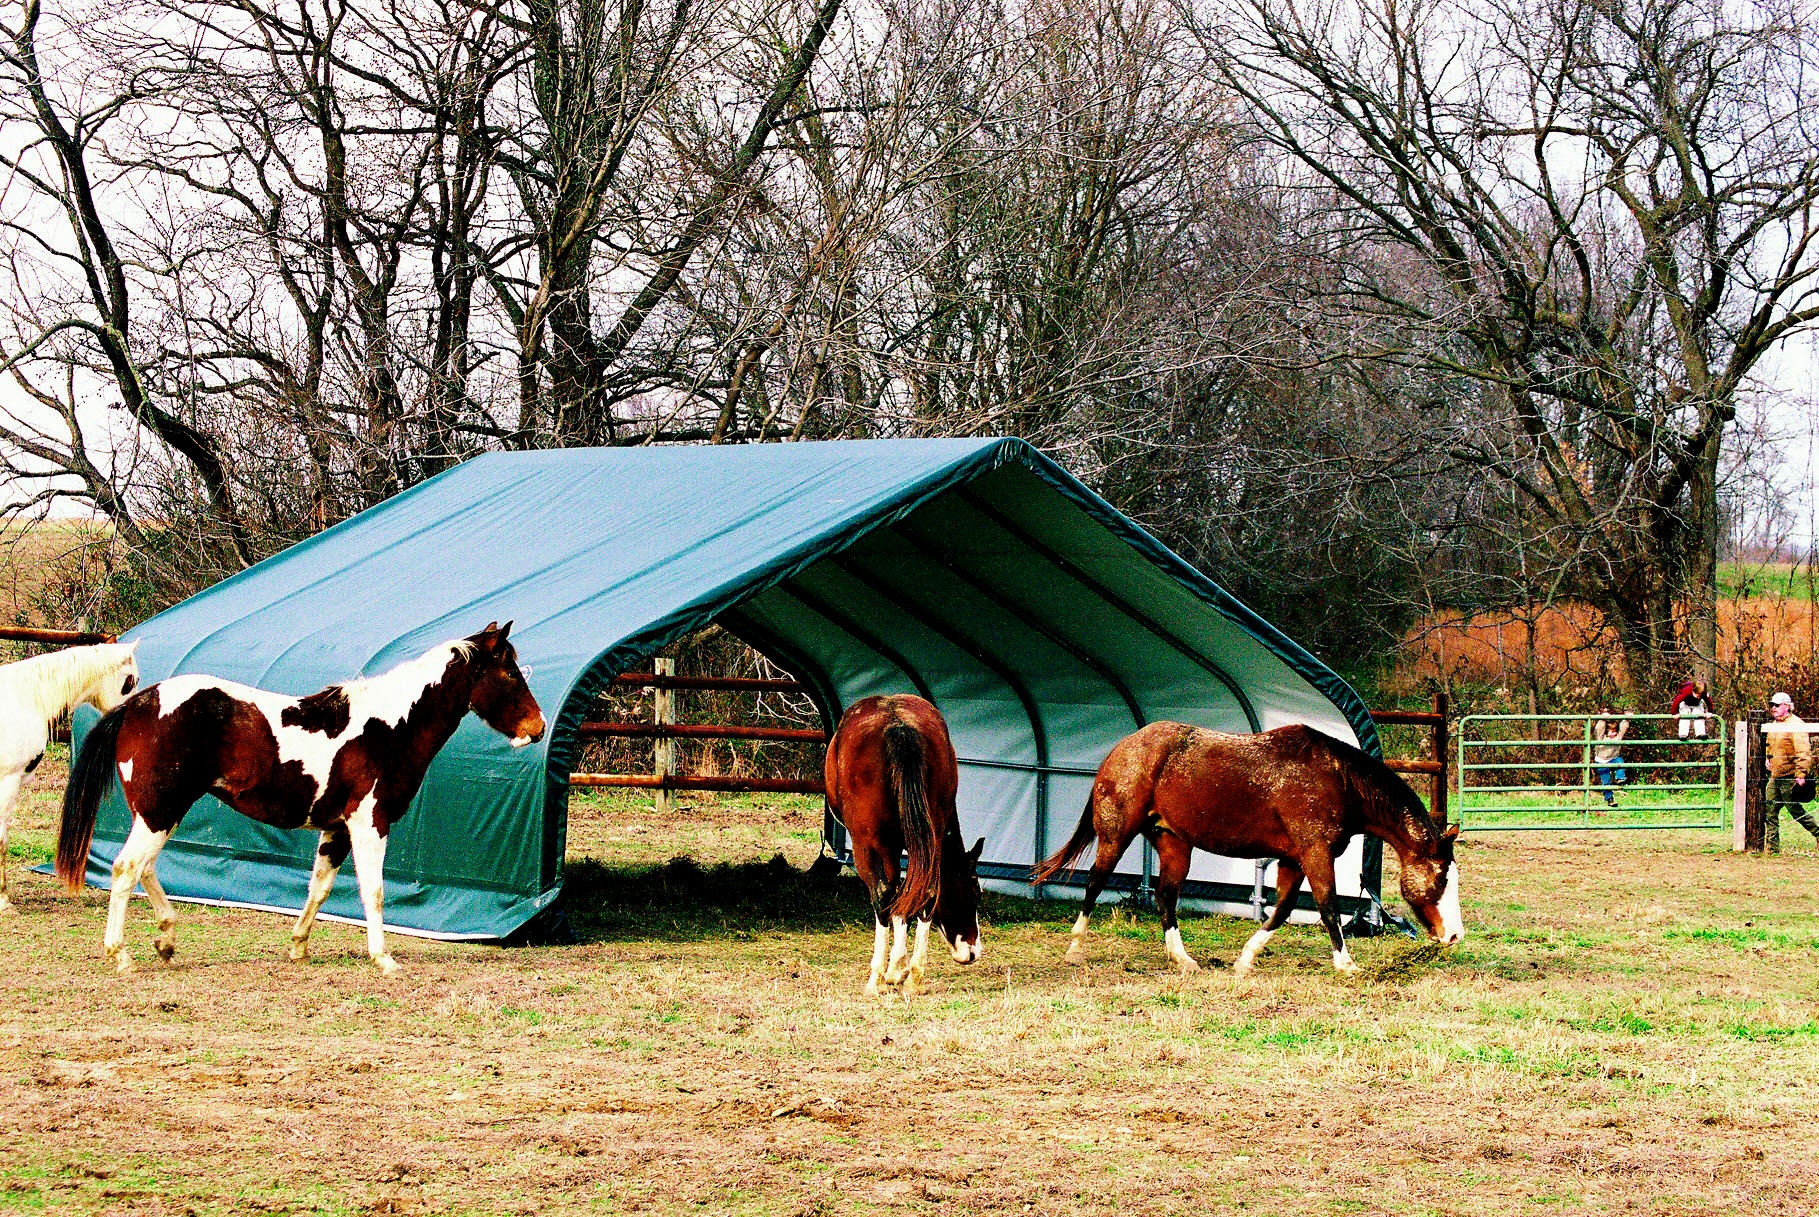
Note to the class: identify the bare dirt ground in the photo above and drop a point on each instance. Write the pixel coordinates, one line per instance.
(1630, 1027)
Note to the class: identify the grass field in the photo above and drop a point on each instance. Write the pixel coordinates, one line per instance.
(1745, 579)
(1630, 1026)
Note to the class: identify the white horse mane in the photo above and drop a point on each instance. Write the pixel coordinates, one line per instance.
(54, 682)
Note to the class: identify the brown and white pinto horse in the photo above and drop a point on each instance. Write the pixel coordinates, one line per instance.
(346, 761)
(1292, 794)
(891, 781)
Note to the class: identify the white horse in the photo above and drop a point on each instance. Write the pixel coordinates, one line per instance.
(34, 693)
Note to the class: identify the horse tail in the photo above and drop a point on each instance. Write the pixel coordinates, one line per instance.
(89, 779)
(908, 772)
(1084, 835)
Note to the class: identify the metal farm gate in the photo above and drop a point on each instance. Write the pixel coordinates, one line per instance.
(1541, 772)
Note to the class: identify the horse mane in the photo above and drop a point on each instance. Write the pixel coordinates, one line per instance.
(1378, 787)
(55, 679)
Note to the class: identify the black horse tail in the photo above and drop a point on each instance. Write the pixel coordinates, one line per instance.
(1084, 835)
(908, 772)
(89, 779)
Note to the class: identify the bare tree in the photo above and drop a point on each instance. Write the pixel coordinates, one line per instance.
(1612, 208)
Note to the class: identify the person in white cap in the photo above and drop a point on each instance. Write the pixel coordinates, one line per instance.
(1790, 762)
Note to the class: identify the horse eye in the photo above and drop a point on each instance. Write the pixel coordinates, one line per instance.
(127, 687)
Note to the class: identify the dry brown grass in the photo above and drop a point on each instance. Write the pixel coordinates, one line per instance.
(1629, 1027)
(1573, 647)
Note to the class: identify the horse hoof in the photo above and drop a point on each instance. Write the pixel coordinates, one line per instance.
(1345, 963)
(871, 988)
(123, 964)
(165, 950)
(6, 907)
(1188, 966)
(1074, 955)
(299, 952)
(1242, 968)
(387, 965)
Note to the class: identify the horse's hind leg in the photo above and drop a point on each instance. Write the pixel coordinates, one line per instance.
(1105, 861)
(330, 854)
(893, 975)
(1288, 887)
(881, 941)
(166, 942)
(142, 845)
(1172, 858)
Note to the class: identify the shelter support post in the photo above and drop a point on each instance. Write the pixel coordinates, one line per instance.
(663, 714)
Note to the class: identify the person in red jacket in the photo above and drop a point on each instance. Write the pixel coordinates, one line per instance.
(1694, 706)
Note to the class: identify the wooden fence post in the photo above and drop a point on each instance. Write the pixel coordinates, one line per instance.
(1740, 787)
(663, 713)
(1755, 774)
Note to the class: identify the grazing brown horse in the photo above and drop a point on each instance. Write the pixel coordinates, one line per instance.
(346, 761)
(891, 781)
(1292, 794)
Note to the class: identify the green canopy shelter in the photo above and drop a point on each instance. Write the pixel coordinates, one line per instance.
(978, 573)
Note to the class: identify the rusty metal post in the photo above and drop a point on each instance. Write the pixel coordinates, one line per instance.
(1441, 778)
(663, 713)
(1755, 774)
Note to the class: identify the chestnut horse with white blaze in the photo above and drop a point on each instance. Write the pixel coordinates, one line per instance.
(891, 782)
(346, 761)
(1292, 794)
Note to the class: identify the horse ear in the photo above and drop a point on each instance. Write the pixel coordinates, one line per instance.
(1451, 833)
(977, 849)
(504, 630)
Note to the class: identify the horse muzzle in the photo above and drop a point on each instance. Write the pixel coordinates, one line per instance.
(529, 733)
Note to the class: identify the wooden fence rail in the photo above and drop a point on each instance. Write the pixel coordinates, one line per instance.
(68, 638)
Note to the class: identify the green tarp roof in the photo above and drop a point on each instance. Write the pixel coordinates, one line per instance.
(1044, 624)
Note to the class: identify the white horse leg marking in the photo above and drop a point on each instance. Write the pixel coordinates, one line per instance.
(918, 958)
(1076, 946)
(1248, 957)
(1452, 923)
(1343, 961)
(321, 881)
(881, 938)
(369, 868)
(9, 795)
(893, 975)
(1177, 952)
(142, 845)
(166, 942)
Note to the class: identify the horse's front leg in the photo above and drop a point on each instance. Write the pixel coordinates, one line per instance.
(369, 869)
(139, 852)
(1320, 885)
(330, 854)
(9, 795)
(912, 980)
